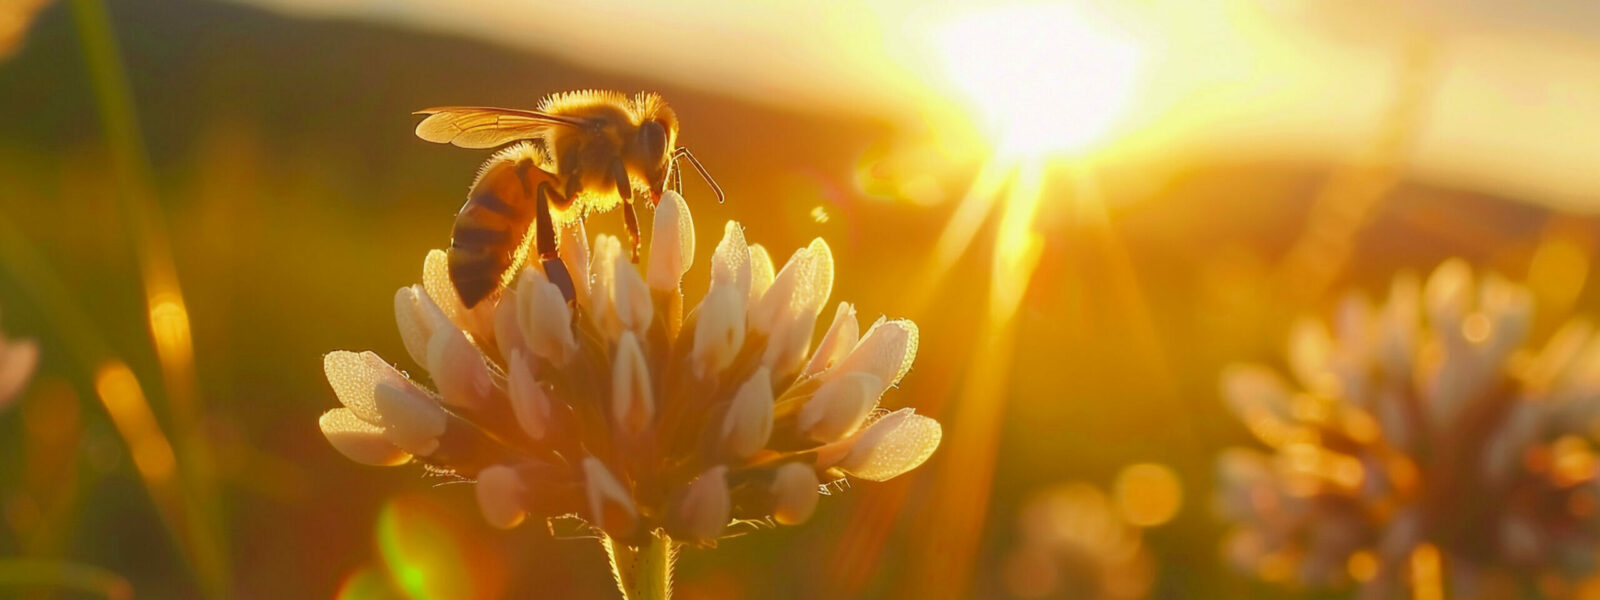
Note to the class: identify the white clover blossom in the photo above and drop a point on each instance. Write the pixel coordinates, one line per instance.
(1420, 433)
(626, 412)
(1073, 543)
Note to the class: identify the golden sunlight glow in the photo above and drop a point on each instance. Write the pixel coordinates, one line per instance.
(1045, 78)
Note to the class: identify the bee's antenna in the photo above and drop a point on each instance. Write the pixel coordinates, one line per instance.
(683, 152)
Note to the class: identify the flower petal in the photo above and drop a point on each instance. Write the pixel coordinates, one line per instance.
(529, 403)
(719, 330)
(704, 510)
(632, 300)
(886, 350)
(839, 406)
(459, 371)
(897, 443)
(355, 377)
(730, 263)
(545, 319)
(837, 343)
(748, 422)
(671, 243)
(761, 272)
(633, 404)
(411, 418)
(417, 316)
(359, 440)
(574, 252)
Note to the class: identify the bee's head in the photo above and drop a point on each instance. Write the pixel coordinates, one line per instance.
(651, 150)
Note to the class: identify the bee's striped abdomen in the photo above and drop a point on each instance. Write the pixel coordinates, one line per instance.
(491, 234)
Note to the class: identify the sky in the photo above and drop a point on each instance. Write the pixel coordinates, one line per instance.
(1507, 88)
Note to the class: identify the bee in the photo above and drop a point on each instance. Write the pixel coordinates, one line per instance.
(583, 152)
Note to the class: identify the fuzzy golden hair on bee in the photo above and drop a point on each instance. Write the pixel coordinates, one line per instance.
(650, 107)
(564, 103)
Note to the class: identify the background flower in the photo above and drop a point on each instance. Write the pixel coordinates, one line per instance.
(1424, 443)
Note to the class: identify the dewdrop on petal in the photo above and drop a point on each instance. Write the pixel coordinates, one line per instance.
(635, 412)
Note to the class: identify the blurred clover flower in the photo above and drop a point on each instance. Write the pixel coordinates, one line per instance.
(1073, 543)
(1424, 447)
(653, 427)
(18, 358)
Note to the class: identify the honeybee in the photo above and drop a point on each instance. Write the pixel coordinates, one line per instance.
(591, 151)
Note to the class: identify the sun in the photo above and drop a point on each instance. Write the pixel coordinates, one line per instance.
(1044, 78)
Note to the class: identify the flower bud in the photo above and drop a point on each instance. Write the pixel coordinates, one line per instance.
(500, 491)
(794, 493)
(671, 243)
(703, 513)
(632, 398)
(610, 506)
(545, 318)
(748, 422)
(529, 403)
(839, 406)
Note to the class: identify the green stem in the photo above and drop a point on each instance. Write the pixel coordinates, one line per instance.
(643, 573)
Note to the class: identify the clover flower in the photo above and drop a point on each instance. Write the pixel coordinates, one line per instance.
(1423, 446)
(18, 358)
(1075, 544)
(654, 427)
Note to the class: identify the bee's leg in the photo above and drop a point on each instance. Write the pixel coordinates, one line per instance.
(545, 243)
(619, 174)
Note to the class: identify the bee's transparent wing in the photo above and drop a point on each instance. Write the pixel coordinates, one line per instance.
(485, 127)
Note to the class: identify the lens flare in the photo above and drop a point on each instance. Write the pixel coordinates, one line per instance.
(429, 554)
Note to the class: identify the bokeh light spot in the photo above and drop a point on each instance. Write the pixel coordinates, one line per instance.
(1148, 494)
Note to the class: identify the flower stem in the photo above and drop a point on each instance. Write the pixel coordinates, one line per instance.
(643, 573)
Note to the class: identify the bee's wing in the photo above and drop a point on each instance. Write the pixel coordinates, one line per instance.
(485, 127)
